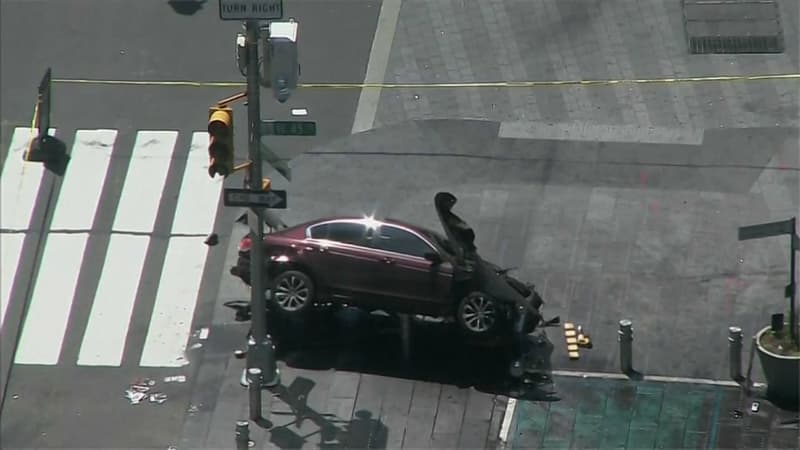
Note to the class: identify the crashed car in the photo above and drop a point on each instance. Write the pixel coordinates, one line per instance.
(395, 267)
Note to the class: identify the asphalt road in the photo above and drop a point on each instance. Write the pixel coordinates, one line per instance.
(56, 400)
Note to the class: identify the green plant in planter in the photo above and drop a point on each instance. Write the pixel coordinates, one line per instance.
(780, 342)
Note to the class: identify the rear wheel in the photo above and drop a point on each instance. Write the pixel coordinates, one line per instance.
(478, 315)
(293, 292)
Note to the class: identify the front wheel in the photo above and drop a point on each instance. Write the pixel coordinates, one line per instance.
(478, 315)
(293, 292)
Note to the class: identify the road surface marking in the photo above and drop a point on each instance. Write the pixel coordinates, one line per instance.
(199, 193)
(104, 339)
(19, 183)
(109, 320)
(376, 67)
(49, 309)
(83, 181)
(11, 249)
(50, 305)
(144, 182)
(19, 186)
(508, 416)
(171, 321)
(476, 84)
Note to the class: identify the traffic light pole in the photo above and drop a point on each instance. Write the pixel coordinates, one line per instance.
(263, 357)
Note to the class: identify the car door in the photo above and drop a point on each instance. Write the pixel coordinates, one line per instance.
(339, 254)
(404, 278)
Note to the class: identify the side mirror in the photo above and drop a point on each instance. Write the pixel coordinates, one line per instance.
(433, 257)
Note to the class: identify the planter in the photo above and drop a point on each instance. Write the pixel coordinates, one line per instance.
(782, 373)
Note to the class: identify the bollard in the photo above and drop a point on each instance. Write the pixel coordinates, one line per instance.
(242, 435)
(405, 335)
(735, 358)
(271, 376)
(626, 346)
(254, 388)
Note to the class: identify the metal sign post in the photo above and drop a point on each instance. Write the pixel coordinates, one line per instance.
(776, 229)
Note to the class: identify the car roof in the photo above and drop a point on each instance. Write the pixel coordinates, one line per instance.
(388, 221)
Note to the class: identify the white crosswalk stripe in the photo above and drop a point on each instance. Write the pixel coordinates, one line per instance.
(76, 205)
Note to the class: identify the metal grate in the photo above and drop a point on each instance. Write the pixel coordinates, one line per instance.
(732, 26)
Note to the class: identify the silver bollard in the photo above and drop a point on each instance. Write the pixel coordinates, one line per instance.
(625, 346)
(735, 358)
(242, 435)
(271, 375)
(254, 389)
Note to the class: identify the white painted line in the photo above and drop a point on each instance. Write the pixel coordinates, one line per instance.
(11, 250)
(376, 67)
(199, 193)
(171, 321)
(109, 320)
(144, 182)
(600, 133)
(19, 183)
(658, 378)
(508, 416)
(49, 308)
(83, 181)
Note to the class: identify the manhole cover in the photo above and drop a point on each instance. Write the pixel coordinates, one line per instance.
(733, 26)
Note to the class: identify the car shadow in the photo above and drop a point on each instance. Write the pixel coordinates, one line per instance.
(351, 340)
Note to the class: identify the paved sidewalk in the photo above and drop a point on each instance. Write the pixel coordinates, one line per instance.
(625, 414)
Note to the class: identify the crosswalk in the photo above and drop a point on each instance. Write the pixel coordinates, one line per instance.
(66, 251)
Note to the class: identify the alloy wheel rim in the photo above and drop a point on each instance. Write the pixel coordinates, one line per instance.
(291, 293)
(478, 314)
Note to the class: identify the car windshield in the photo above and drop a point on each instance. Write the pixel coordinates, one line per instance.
(442, 242)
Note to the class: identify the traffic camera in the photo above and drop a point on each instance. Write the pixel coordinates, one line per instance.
(220, 145)
(282, 59)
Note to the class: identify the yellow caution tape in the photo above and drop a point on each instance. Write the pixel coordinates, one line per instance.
(478, 84)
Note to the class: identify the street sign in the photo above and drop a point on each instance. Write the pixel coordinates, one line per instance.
(766, 230)
(254, 199)
(289, 127)
(250, 9)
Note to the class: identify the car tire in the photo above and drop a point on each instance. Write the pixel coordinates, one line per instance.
(478, 315)
(293, 292)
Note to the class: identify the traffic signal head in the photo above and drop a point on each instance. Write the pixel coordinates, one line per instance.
(283, 62)
(220, 144)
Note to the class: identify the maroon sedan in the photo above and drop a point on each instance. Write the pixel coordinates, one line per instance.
(392, 266)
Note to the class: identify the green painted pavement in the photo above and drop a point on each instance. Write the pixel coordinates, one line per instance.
(619, 414)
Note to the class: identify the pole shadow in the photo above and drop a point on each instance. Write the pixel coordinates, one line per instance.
(362, 432)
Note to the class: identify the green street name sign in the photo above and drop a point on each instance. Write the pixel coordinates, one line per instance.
(288, 128)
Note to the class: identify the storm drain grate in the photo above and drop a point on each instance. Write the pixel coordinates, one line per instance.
(732, 26)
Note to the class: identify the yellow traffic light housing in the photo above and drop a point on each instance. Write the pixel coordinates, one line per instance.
(220, 145)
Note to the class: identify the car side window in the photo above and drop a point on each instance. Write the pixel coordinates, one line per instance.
(346, 232)
(401, 241)
(319, 231)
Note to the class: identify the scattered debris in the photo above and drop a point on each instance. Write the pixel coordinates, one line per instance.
(158, 397)
(572, 341)
(193, 409)
(175, 379)
(239, 354)
(134, 396)
(754, 407)
(204, 333)
(195, 346)
(736, 414)
(212, 240)
(15, 396)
